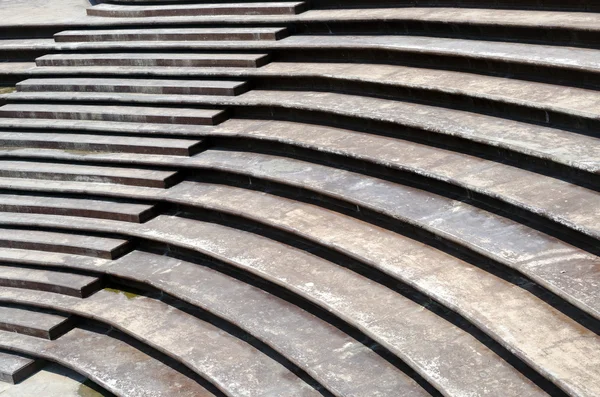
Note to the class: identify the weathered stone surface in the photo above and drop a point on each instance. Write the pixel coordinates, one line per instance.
(75, 285)
(14, 368)
(232, 365)
(34, 323)
(129, 372)
(184, 34)
(101, 247)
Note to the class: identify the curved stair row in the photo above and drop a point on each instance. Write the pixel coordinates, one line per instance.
(306, 198)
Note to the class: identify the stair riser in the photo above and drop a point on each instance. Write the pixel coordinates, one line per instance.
(200, 120)
(169, 37)
(189, 12)
(135, 89)
(101, 147)
(233, 63)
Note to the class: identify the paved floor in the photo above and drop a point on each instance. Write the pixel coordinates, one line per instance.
(27, 12)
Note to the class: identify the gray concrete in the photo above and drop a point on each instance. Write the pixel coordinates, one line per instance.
(14, 369)
(75, 285)
(76, 207)
(102, 247)
(184, 34)
(128, 373)
(34, 323)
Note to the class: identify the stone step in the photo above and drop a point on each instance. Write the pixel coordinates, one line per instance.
(55, 381)
(34, 323)
(88, 143)
(100, 247)
(44, 280)
(129, 372)
(170, 330)
(410, 347)
(86, 173)
(543, 103)
(158, 59)
(15, 368)
(116, 113)
(183, 34)
(457, 223)
(120, 211)
(138, 86)
(175, 10)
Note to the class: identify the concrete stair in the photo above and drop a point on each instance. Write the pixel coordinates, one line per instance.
(138, 86)
(173, 10)
(156, 59)
(116, 113)
(104, 209)
(15, 368)
(189, 34)
(85, 351)
(44, 280)
(34, 323)
(101, 247)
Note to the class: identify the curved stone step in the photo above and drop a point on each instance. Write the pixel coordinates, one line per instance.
(86, 173)
(172, 10)
(541, 102)
(34, 323)
(120, 211)
(157, 59)
(320, 349)
(100, 247)
(129, 372)
(15, 368)
(55, 380)
(232, 365)
(484, 233)
(75, 285)
(139, 86)
(87, 143)
(184, 34)
(446, 362)
(116, 113)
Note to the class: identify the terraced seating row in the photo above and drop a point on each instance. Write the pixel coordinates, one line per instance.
(14, 368)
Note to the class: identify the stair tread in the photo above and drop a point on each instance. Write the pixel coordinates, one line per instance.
(223, 359)
(75, 281)
(85, 351)
(116, 10)
(242, 33)
(30, 322)
(13, 367)
(51, 241)
(132, 82)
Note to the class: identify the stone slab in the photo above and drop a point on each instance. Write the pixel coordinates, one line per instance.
(70, 284)
(101, 247)
(34, 323)
(104, 209)
(15, 368)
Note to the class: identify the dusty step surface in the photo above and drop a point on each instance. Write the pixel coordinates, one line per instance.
(185, 34)
(34, 323)
(378, 248)
(54, 380)
(257, 8)
(477, 230)
(70, 284)
(116, 113)
(105, 209)
(448, 376)
(557, 102)
(444, 125)
(340, 363)
(129, 373)
(101, 247)
(231, 364)
(157, 59)
(86, 173)
(88, 143)
(140, 86)
(15, 368)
